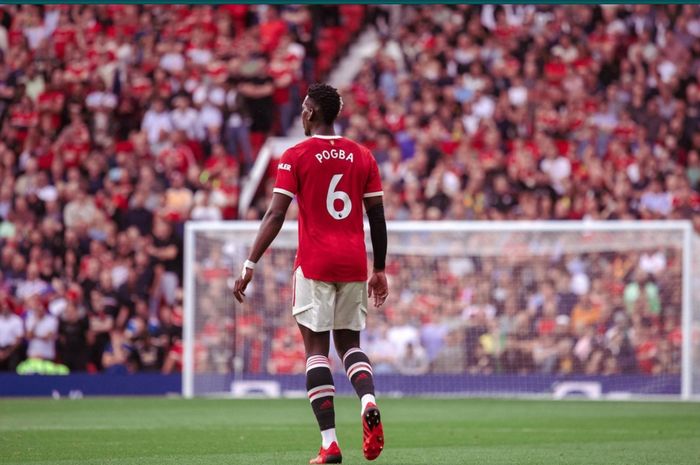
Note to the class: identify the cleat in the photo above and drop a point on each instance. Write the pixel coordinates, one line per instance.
(330, 455)
(373, 433)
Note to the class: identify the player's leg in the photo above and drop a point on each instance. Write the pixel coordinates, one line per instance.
(359, 371)
(321, 391)
(350, 316)
(313, 309)
(356, 363)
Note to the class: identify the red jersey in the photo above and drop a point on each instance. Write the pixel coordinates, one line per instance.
(330, 176)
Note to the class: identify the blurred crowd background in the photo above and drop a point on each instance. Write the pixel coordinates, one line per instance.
(120, 123)
(559, 309)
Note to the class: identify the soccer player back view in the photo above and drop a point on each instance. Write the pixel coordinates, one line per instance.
(331, 177)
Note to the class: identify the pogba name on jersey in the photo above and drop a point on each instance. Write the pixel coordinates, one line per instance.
(330, 193)
(334, 154)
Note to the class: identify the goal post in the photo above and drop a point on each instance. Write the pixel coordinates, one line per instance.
(601, 309)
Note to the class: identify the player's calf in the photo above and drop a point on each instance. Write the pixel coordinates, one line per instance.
(321, 392)
(359, 371)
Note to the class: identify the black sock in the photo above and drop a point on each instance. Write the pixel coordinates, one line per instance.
(320, 389)
(359, 371)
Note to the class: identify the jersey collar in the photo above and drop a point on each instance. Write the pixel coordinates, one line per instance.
(326, 137)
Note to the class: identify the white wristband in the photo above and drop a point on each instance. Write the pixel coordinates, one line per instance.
(247, 265)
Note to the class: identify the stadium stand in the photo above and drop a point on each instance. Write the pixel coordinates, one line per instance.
(119, 123)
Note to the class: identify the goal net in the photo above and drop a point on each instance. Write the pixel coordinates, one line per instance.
(600, 309)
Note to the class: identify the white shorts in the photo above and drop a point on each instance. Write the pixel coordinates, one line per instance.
(323, 306)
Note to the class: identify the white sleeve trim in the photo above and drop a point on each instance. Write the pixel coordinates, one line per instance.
(373, 194)
(283, 191)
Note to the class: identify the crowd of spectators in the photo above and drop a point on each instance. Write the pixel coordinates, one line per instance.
(118, 123)
(519, 310)
(600, 313)
(121, 122)
(524, 112)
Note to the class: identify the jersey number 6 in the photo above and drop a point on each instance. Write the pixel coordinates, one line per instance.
(334, 195)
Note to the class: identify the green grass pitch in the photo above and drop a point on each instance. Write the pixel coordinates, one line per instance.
(162, 431)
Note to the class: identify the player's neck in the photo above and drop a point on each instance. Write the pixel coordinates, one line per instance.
(323, 131)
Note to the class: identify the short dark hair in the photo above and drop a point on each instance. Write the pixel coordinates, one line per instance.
(327, 99)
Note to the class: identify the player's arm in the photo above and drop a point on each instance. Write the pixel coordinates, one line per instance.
(377, 285)
(270, 227)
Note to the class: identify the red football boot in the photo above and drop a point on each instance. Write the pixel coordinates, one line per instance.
(373, 437)
(330, 455)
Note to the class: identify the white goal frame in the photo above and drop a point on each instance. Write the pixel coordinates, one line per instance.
(679, 226)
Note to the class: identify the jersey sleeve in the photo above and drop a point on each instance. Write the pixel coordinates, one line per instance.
(287, 182)
(373, 188)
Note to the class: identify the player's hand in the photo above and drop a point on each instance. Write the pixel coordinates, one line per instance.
(378, 288)
(242, 283)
